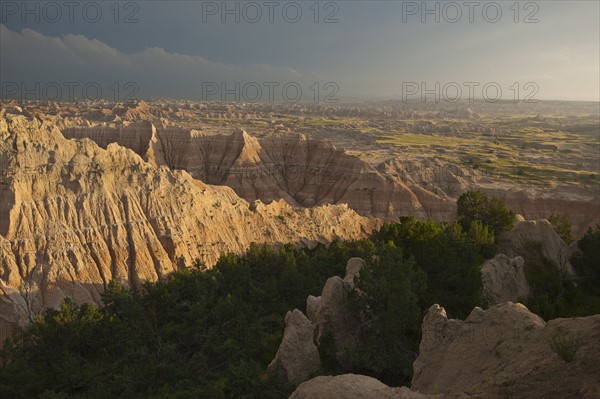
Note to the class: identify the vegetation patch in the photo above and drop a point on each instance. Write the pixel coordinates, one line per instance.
(565, 346)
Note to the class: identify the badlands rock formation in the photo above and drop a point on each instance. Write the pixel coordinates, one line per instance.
(297, 356)
(583, 213)
(333, 315)
(327, 314)
(534, 239)
(299, 170)
(504, 280)
(500, 353)
(74, 215)
(506, 350)
(352, 386)
(308, 172)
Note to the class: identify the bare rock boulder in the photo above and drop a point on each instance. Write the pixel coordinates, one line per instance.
(504, 279)
(297, 356)
(351, 386)
(335, 318)
(533, 239)
(353, 268)
(506, 351)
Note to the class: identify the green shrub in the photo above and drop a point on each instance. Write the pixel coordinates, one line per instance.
(473, 206)
(563, 227)
(386, 299)
(565, 346)
(586, 261)
(555, 293)
(329, 362)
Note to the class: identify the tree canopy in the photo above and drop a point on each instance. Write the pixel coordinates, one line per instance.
(474, 206)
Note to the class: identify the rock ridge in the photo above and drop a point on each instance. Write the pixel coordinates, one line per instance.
(75, 214)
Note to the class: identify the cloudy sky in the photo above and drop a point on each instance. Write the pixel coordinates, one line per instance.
(370, 49)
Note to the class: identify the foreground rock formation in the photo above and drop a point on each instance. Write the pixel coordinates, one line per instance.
(527, 243)
(334, 318)
(352, 386)
(74, 215)
(500, 353)
(297, 356)
(534, 240)
(506, 351)
(328, 315)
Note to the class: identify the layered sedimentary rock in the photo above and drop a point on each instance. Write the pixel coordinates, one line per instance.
(300, 170)
(582, 212)
(74, 215)
(308, 172)
(507, 349)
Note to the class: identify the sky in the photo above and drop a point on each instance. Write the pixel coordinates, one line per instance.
(303, 50)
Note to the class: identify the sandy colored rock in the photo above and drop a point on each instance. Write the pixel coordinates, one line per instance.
(506, 349)
(74, 215)
(335, 318)
(353, 268)
(582, 212)
(504, 279)
(329, 314)
(293, 168)
(297, 356)
(419, 183)
(533, 239)
(351, 386)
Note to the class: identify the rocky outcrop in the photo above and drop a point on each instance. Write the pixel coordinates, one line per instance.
(335, 318)
(582, 212)
(434, 184)
(353, 268)
(352, 386)
(297, 357)
(307, 172)
(328, 314)
(536, 239)
(507, 349)
(503, 352)
(74, 215)
(294, 168)
(504, 280)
